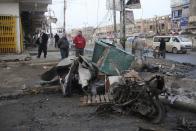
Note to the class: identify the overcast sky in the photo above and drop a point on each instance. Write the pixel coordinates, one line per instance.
(81, 13)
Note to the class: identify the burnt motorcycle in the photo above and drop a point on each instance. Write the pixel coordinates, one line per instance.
(135, 97)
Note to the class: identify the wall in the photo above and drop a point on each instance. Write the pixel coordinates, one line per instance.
(9, 9)
(12, 9)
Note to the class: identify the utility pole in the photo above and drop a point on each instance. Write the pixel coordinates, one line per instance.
(50, 17)
(114, 14)
(64, 24)
(122, 24)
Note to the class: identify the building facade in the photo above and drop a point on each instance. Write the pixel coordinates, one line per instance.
(19, 19)
(157, 25)
(192, 19)
(180, 14)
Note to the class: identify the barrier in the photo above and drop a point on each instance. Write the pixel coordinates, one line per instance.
(8, 34)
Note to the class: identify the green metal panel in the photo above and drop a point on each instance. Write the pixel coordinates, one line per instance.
(109, 58)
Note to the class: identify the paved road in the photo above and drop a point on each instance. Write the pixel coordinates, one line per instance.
(187, 58)
(190, 57)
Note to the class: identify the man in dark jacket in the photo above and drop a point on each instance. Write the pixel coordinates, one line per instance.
(80, 44)
(56, 37)
(43, 43)
(63, 45)
(162, 47)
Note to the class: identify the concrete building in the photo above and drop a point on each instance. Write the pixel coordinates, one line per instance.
(19, 19)
(192, 19)
(180, 14)
(156, 25)
(160, 25)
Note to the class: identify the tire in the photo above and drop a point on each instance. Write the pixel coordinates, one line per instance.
(185, 52)
(174, 50)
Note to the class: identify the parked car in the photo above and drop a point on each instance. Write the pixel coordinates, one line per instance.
(174, 44)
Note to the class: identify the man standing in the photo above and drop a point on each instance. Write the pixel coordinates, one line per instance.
(139, 44)
(43, 43)
(80, 44)
(56, 37)
(63, 44)
(162, 48)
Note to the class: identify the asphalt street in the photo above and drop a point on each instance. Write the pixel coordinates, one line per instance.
(190, 57)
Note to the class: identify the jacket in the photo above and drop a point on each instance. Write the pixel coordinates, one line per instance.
(44, 39)
(63, 43)
(79, 42)
(139, 44)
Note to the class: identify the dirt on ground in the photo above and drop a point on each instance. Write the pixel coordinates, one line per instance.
(55, 113)
(52, 112)
(18, 76)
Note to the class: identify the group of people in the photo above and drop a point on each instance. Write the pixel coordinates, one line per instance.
(62, 43)
(139, 44)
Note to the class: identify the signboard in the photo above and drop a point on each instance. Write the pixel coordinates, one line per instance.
(109, 5)
(129, 16)
(175, 3)
(133, 4)
(184, 22)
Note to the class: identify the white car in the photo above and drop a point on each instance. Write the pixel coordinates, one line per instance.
(175, 44)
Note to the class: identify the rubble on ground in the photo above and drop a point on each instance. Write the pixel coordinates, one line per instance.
(105, 74)
(171, 68)
(184, 124)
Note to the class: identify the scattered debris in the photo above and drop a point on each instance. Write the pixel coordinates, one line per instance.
(171, 68)
(185, 125)
(81, 73)
(140, 97)
(117, 76)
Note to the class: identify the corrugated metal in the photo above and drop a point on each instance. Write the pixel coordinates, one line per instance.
(8, 34)
(110, 59)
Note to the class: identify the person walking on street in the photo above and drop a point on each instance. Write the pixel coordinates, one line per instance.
(80, 44)
(56, 37)
(42, 42)
(139, 45)
(63, 45)
(162, 48)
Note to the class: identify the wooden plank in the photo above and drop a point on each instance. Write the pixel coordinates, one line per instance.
(102, 99)
(93, 99)
(89, 99)
(106, 98)
(97, 99)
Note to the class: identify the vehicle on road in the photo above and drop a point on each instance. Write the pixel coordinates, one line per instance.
(174, 44)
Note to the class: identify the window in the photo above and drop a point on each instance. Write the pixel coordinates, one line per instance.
(174, 39)
(167, 39)
(162, 26)
(151, 27)
(156, 39)
(177, 13)
(184, 39)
